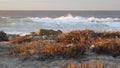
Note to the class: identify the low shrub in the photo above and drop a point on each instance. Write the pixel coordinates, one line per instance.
(84, 37)
(107, 42)
(108, 46)
(71, 44)
(21, 39)
(48, 48)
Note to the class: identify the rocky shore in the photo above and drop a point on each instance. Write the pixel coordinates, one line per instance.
(53, 49)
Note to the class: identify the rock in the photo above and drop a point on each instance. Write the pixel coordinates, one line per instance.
(12, 37)
(42, 32)
(36, 38)
(3, 36)
(33, 33)
(94, 48)
(69, 45)
(52, 37)
(44, 37)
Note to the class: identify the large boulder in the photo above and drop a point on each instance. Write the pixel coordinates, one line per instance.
(42, 32)
(3, 36)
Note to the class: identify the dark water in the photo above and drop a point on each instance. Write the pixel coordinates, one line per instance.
(54, 14)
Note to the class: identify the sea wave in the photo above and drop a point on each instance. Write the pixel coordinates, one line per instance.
(64, 23)
(68, 18)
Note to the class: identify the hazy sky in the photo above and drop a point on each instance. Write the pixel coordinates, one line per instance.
(59, 4)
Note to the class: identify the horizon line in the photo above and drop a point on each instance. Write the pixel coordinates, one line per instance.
(59, 10)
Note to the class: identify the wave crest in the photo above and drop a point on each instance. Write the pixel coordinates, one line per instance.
(64, 23)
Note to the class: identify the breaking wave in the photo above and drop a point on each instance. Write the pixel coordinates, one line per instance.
(64, 23)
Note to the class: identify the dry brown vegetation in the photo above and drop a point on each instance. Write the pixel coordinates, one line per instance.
(92, 64)
(71, 44)
(48, 49)
(107, 42)
(108, 46)
(84, 37)
(21, 39)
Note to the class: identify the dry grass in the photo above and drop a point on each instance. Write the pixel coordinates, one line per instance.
(84, 37)
(107, 42)
(92, 64)
(72, 44)
(49, 49)
(20, 40)
(108, 46)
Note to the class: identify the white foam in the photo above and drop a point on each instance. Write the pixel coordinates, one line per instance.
(64, 23)
(18, 33)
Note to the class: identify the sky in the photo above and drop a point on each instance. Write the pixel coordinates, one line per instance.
(59, 4)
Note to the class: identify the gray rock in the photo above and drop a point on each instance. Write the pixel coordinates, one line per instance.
(3, 36)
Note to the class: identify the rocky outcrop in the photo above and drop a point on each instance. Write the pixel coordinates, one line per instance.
(3, 36)
(42, 32)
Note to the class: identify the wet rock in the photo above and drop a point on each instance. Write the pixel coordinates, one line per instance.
(3, 36)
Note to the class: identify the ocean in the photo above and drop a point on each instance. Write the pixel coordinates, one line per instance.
(24, 22)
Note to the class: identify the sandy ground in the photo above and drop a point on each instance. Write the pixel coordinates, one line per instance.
(9, 61)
